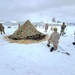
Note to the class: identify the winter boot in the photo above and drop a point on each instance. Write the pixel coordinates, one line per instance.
(48, 45)
(52, 49)
(73, 43)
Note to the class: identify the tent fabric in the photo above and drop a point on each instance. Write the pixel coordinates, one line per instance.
(27, 31)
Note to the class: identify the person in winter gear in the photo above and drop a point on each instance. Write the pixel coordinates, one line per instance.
(54, 39)
(62, 29)
(19, 25)
(74, 38)
(2, 28)
(46, 27)
(51, 29)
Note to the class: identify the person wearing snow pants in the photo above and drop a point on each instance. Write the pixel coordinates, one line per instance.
(46, 27)
(54, 39)
(62, 29)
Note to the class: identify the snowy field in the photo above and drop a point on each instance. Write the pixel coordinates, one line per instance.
(36, 59)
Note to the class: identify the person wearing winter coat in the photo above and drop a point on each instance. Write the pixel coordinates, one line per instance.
(2, 28)
(46, 27)
(62, 29)
(74, 38)
(54, 39)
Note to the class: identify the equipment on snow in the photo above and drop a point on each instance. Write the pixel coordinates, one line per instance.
(63, 51)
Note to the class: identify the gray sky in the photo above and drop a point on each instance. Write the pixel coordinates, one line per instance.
(37, 10)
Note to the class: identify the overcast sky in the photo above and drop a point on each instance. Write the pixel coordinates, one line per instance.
(37, 10)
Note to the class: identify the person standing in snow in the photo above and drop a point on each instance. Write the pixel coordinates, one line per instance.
(74, 38)
(19, 25)
(2, 28)
(62, 29)
(46, 27)
(54, 39)
(51, 29)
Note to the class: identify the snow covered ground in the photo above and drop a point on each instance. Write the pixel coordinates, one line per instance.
(36, 59)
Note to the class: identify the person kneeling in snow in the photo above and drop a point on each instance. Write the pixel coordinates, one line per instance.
(54, 39)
